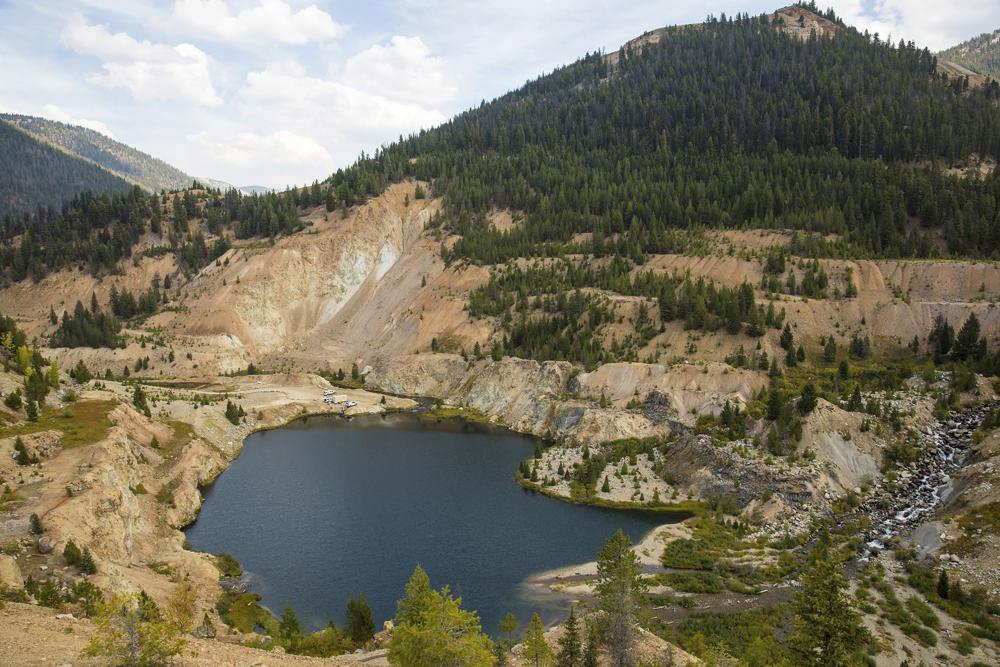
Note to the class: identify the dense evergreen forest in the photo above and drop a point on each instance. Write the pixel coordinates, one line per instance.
(36, 173)
(116, 157)
(731, 124)
(980, 54)
(97, 231)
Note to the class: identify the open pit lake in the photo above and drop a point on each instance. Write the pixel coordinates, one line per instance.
(326, 508)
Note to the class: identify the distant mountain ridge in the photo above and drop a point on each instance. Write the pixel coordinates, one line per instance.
(120, 159)
(34, 172)
(980, 54)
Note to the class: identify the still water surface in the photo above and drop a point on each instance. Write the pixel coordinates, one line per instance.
(326, 508)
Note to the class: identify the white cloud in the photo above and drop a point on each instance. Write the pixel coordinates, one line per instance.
(269, 21)
(931, 23)
(284, 93)
(403, 70)
(247, 148)
(52, 112)
(151, 72)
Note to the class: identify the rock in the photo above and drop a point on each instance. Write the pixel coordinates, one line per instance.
(65, 617)
(44, 544)
(10, 573)
(206, 630)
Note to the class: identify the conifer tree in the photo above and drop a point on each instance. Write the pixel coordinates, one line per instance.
(570, 652)
(827, 628)
(620, 589)
(360, 625)
(536, 649)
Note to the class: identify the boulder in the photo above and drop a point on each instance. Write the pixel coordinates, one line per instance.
(10, 573)
(44, 544)
(206, 630)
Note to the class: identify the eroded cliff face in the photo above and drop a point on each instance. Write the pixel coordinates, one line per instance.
(126, 495)
(553, 400)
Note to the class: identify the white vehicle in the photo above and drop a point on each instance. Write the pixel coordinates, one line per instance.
(351, 404)
(329, 392)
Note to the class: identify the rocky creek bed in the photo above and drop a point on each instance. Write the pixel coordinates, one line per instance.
(923, 484)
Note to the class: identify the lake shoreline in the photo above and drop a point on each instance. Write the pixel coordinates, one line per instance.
(370, 475)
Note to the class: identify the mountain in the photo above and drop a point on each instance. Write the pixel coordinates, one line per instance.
(245, 189)
(740, 122)
(122, 160)
(980, 54)
(34, 172)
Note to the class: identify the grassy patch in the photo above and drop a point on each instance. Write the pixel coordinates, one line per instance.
(228, 566)
(972, 606)
(896, 613)
(983, 520)
(82, 423)
(747, 633)
(685, 554)
(243, 612)
(183, 432)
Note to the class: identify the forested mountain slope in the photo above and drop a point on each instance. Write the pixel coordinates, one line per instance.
(980, 54)
(34, 173)
(116, 157)
(735, 123)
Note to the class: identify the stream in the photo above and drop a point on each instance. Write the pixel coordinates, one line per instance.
(923, 484)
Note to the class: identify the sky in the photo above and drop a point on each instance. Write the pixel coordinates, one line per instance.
(283, 92)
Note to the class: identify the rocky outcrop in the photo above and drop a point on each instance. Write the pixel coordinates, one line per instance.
(10, 573)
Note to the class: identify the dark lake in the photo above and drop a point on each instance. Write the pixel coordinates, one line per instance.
(327, 508)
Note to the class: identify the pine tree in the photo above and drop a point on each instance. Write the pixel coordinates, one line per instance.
(36, 524)
(827, 628)
(620, 589)
(807, 401)
(570, 652)
(536, 649)
(775, 403)
(360, 625)
(591, 650)
(508, 626)
(967, 343)
(942, 584)
(416, 599)
(289, 627)
(131, 631)
(786, 340)
(31, 410)
(52, 375)
(139, 399)
(87, 565)
(71, 553)
(830, 350)
(434, 630)
(232, 413)
(22, 457)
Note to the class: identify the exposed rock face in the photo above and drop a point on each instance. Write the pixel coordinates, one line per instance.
(43, 445)
(713, 472)
(10, 573)
(689, 390)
